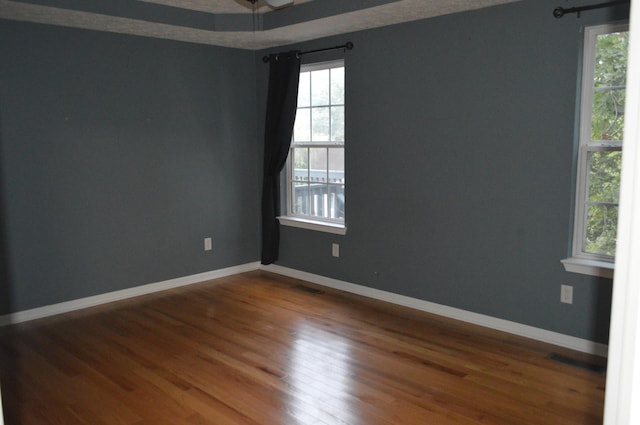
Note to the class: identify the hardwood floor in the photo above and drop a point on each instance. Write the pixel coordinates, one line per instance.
(258, 349)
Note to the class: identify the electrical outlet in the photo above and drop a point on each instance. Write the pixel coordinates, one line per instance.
(335, 250)
(566, 294)
(207, 244)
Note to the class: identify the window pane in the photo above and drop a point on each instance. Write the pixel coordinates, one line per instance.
(611, 59)
(301, 164)
(300, 198)
(319, 200)
(337, 86)
(327, 201)
(337, 124)
(320, 87)
(336, 202)
(604, 176)
(304, 89)
(336, 165)
(320, 124)
(302, 126)
(609, 79)
(607, 121)
(602, 222)
(318, 164)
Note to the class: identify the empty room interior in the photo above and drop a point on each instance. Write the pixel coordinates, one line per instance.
(422, 260)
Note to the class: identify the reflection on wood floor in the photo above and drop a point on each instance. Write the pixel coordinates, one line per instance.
(254, 349)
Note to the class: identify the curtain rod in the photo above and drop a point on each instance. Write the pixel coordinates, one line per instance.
(559, 12)
(347, 46)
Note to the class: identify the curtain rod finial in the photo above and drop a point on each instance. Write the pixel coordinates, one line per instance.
(558, 12)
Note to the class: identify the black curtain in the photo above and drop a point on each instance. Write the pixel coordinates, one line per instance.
(282, 99)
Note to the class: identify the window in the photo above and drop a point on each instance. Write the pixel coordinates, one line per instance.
(600, 149)
(315, 166)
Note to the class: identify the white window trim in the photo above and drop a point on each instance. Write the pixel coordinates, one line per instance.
(305, 222)
(581, 262)
(589, 267)
(321, 226)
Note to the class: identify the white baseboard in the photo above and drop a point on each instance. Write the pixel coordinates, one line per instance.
(531, 332)
(65, 307)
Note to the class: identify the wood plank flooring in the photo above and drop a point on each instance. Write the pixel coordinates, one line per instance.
(255, 349)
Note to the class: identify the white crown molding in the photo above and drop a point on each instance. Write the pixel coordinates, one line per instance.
(240, 36)
(65, 307)
(514, 328)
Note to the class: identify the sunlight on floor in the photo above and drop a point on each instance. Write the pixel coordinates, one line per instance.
(321, 378)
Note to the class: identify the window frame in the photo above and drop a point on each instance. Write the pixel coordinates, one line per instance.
(306, 221)
(581, 261)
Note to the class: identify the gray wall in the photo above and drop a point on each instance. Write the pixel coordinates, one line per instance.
(119, 155)
(460, 141)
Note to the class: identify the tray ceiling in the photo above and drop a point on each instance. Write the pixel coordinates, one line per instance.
(232, 23)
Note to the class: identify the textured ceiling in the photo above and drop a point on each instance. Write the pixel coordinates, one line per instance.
(216, 6)
(232, 23)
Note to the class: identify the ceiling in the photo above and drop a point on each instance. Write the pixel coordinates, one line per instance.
(232, 23)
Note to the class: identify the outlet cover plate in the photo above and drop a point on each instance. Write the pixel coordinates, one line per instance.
(566, 294)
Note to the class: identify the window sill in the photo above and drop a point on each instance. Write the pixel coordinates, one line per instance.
(589, 267)
(320, 226)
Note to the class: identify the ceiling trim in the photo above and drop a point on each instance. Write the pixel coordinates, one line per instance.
(311, 19)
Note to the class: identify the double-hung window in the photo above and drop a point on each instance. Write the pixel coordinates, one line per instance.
(600, 150)
(315, 166)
